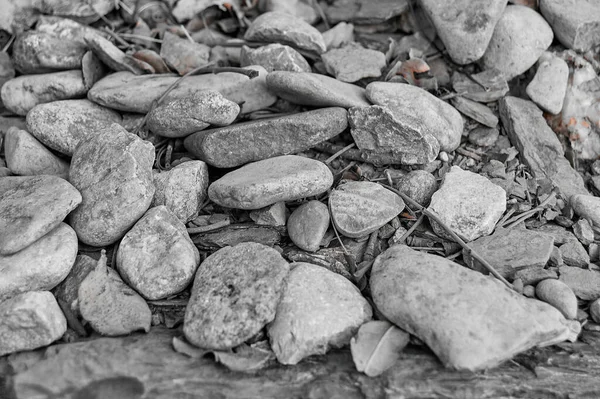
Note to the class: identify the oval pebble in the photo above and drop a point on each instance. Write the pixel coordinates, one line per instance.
(559, 295)
(308, 224)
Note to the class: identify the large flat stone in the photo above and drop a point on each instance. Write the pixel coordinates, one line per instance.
(576, 23)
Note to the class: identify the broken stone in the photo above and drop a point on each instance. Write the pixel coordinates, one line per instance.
(587, 207)
(583, 231)
(574, 254)
(40, 52)
(68, 290)
(584, 283)
(235, 294)
(308, 224)
(476, 111)
(549, 85)
(274, 57)
(576, 24)
(484, 136)
(559, 295)
(183, 55)
(533, 275)
(354, 62)
(273, 215)
(236, 234)
(484, 87)
(319, 310)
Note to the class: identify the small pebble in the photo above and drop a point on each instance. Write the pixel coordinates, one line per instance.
(559, 295)
(308, 224)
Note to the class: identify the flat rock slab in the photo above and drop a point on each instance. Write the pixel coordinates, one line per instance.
(316, 90)
(308, 224)
(274, 57)
(470, 321)
(468, 203)
(360, 208)
(245, 142)
(584, 283)
(156, 257)
(465, 30)
(476, 111)
(511, 250)
(62, 125)
(31, 207)
(41, 266)
(574, 254)
(538, 145)
(353, 62)
(113, 171)
(283, 28)
(235, 294)
(29, 321)
(421, 109)
(520, 38)
(576, 23)
(549, 85)
(262, 183)
(319, 310)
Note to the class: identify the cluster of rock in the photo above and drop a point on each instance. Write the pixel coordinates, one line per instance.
(77, 174)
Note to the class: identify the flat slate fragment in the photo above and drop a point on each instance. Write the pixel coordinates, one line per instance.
(352, 63)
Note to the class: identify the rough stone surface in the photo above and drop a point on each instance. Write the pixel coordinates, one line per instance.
(235, 294)
(183, 55)
(68, 290)
(316, 90)
(113, 171)
(262, 183)
(574, 254)
(274, 57)
(419, 185)
(354, 62)
(588, 207)
(576, 23)
(520, 37)
(360, 208)
(278, 27)
(549, 85)
(421, 109)
(584, 283)
(470, 321)
(484, 136)
(156, 257)
(31, 207)
(265, 138)
(364, 12)
(559, 295)
(484, 87)
(476, 111)
(582, 229)
(40, 52)
(538, 146)
(532, 276)
(272, 215)
(308, 224)
(41, 265)
(559, 233)
(183, 189)
(22, 93)
(252, 95)
(29, 321)
(465, 30)
(112, 56)
(62, 125)
(319, 310)
(468, 203)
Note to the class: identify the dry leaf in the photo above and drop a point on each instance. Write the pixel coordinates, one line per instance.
(377, 346)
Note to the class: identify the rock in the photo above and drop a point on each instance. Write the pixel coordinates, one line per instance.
(584, 283)
(315, 90)
(262, 183)
(539, 147)
(278, 27)
(532, 276)
(22, 93)
(555, 257)
(364, 12)
(468, 214)
(239, 233)
(29, 321)
(112, 56)
(484, 87)
(354, 62)
(476, 111)
(274, 57)
(583, 231)
(298, 8)
(121, 191)
(181, 117)
(484, 136)
(587, 207)
(559, 295)
(40, 266)
(84, 13)
(319, 310)
(183, 55)
(465, 30)
(26, 156)
(62, 125)
(68, 290)
(575, 23)
(595, 311)
(308, 224)
(520, 37)
(340, 35)
(252, 95)
(235, 294)
(183, 189)
(40, 52)
(109, 305)
(418, 185)
(424, 294)
(549, 85)
(510, 251)
(31, 207)
(156, 257)
(265, 138)
(360, 208)
(415, 106)
(559, 233)
(377, 131)
(272, 215)
(574, 254)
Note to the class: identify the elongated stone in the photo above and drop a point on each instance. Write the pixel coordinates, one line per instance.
(575, 23)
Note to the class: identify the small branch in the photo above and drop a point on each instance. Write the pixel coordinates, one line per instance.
(526, 215)
(339, 153)
(210, 227)
(469, 154)
(412, 228)
(347, 255)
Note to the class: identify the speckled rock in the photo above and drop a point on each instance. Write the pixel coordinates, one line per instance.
(68, 290)
(183, 55)
(308, 224)
(484, 136)
(113, 171)
(41, 52)
(319, 310)
(156, 257)
(235, 294)
(587, 206)
(576, 23)
(549, 85)
(559, 295)
(354, 62)
(274, 57)
(584, 283)
(262, 183)
(30, 320)
(31, 207)
(418, 185)
(574, 254)
(272, 215)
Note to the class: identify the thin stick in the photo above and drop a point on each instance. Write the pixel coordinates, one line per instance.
(412, 228)
(210, 227)
(347, 255)
(140, 37)
(525, 215)
(187, 34)
(337, 154)
(469, 154)
(116, 36)
(317, 6)
(8, 43)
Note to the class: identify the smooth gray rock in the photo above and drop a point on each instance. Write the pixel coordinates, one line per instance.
(484, 136)
(183, 55)
(559, 295)
(62, 125)
(68, 290)
(520, 37)
(354, 62)
(576, 23)
(235, 294)
(274, 57)
(339, 35)
(252, 95)
(265, 138)
(419, 185)
(298, 8)
(574, 254)
(85, 13)
(549, 85)
(41, 52)
(315, 90)
(532, 276)
(29, 321)
(31, 207)
(584, 283)
(364, 12)
(538, 145)
(262, 183)
(319, 310)
(308, 224)
(587, 206)
(114, 57)
(465, 30)
(113, 171)
(476, 111)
